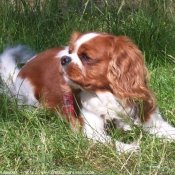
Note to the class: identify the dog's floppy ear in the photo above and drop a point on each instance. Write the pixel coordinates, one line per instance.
(128, 75)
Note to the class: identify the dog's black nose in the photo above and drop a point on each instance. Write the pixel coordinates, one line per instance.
(65, 60)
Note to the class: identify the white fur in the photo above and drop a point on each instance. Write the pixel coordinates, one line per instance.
(95, 121)
(94, 127)
(84, 39)
(25, 92)
(76, 60)
(94, 130)
(124, 147)
(158, 127)
(8, 69)
(63, 52)
(107, 105)
(97, 107)
(15, 86)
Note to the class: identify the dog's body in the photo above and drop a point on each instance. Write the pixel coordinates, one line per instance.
(40, 82)
(106, 76)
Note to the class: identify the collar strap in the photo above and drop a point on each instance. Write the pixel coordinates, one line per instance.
(68, 107)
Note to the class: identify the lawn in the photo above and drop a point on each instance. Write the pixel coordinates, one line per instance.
(40, 142)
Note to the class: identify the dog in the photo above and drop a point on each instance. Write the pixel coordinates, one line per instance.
(40, 82)
(96, 79)
(113, 79)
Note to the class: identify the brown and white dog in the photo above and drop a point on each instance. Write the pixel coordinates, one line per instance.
(107, 76)
(40, 82)
(113, 79)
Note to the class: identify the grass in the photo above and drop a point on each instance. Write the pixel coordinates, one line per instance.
(41, 142)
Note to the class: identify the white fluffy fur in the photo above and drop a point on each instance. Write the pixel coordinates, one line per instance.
(16, 86)
(158, 127)
(24, 92)
(63, 52)
(109, 107)
(97, 107)
(84, 39)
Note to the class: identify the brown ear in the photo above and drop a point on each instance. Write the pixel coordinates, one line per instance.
(128, 75)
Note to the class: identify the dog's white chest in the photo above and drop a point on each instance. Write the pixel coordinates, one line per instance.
(106, 104)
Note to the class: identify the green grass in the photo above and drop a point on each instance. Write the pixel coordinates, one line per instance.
(41, 142)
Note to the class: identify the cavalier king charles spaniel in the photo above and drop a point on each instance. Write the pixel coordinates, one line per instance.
(96, 79)
(113, 79)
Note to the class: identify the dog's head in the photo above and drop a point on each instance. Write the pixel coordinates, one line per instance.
(104, 62)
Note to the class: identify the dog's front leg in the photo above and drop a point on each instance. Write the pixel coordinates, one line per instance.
(94, 127)
(94, 130)
(158, 127)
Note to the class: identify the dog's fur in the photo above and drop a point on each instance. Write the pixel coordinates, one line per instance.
(105, 75)
(113, 79)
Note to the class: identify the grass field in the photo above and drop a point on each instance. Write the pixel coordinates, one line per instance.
(40, 142)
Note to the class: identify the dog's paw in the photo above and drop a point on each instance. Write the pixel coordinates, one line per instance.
(167, 134)
(132, 147)
(125, 148)
(127, 128)
(164, 131)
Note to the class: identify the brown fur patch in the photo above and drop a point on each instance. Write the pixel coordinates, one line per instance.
(44, 73)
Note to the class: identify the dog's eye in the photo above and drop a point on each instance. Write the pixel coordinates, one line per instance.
(85, 57)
